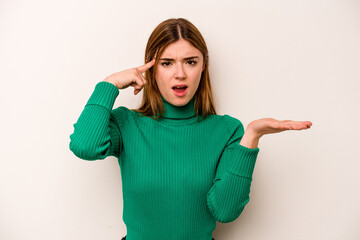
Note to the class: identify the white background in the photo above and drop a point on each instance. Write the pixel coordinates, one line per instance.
(295, 60)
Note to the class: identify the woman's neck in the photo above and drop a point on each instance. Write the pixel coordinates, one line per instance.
(179, 112)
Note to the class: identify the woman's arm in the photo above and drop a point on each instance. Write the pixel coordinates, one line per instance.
(230, 192)
(250, 139)
(96, 133)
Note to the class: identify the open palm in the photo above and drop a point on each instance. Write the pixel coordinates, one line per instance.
(270, 125)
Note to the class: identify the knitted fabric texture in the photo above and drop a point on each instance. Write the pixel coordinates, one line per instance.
(180, 174)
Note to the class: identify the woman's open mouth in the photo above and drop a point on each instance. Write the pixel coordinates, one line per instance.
(180, 91)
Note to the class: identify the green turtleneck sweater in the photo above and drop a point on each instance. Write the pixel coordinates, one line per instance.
(179, 174)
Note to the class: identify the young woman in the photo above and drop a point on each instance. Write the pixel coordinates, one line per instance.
(183, 167)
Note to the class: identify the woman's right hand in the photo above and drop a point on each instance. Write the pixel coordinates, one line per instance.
(130, 77)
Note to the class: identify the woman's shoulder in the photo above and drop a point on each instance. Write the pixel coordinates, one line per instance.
(120, 110)
(232, 123)
(121, 114)
(224, 119)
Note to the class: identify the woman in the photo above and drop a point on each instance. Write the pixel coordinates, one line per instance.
(183, 167)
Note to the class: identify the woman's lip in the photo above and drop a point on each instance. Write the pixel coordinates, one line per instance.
(180, 94)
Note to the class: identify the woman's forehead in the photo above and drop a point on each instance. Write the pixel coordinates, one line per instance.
(180, 54)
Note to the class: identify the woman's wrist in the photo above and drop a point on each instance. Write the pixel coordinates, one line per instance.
(250, 138)
(108, 80)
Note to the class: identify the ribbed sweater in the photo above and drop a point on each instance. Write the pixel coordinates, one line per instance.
(180, 174)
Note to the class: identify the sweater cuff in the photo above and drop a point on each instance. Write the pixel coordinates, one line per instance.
(104, 95)
(243, 162)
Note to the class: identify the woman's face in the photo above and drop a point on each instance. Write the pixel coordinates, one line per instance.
(180, 64)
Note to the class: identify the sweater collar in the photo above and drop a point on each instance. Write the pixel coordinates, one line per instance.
(176, 112)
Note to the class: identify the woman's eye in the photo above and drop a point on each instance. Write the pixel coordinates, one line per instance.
(165, 63)
(191, 62)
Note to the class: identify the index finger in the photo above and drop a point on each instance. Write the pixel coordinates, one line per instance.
(146, 66)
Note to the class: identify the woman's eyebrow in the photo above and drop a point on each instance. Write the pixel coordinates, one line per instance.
(171, 59)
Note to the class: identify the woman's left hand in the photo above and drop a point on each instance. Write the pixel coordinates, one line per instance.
(264, 126)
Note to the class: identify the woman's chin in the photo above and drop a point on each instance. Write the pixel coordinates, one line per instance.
(179, 102)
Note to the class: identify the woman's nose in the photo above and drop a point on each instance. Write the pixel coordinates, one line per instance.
(180, 72)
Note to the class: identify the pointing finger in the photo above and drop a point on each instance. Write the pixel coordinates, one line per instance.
(146, 66)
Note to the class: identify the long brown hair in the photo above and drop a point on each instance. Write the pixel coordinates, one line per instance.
(167, 32)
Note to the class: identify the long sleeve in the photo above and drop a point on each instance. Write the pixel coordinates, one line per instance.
(231, 186)
(96, 133)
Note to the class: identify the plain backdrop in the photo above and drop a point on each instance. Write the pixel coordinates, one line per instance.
(284, 59)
